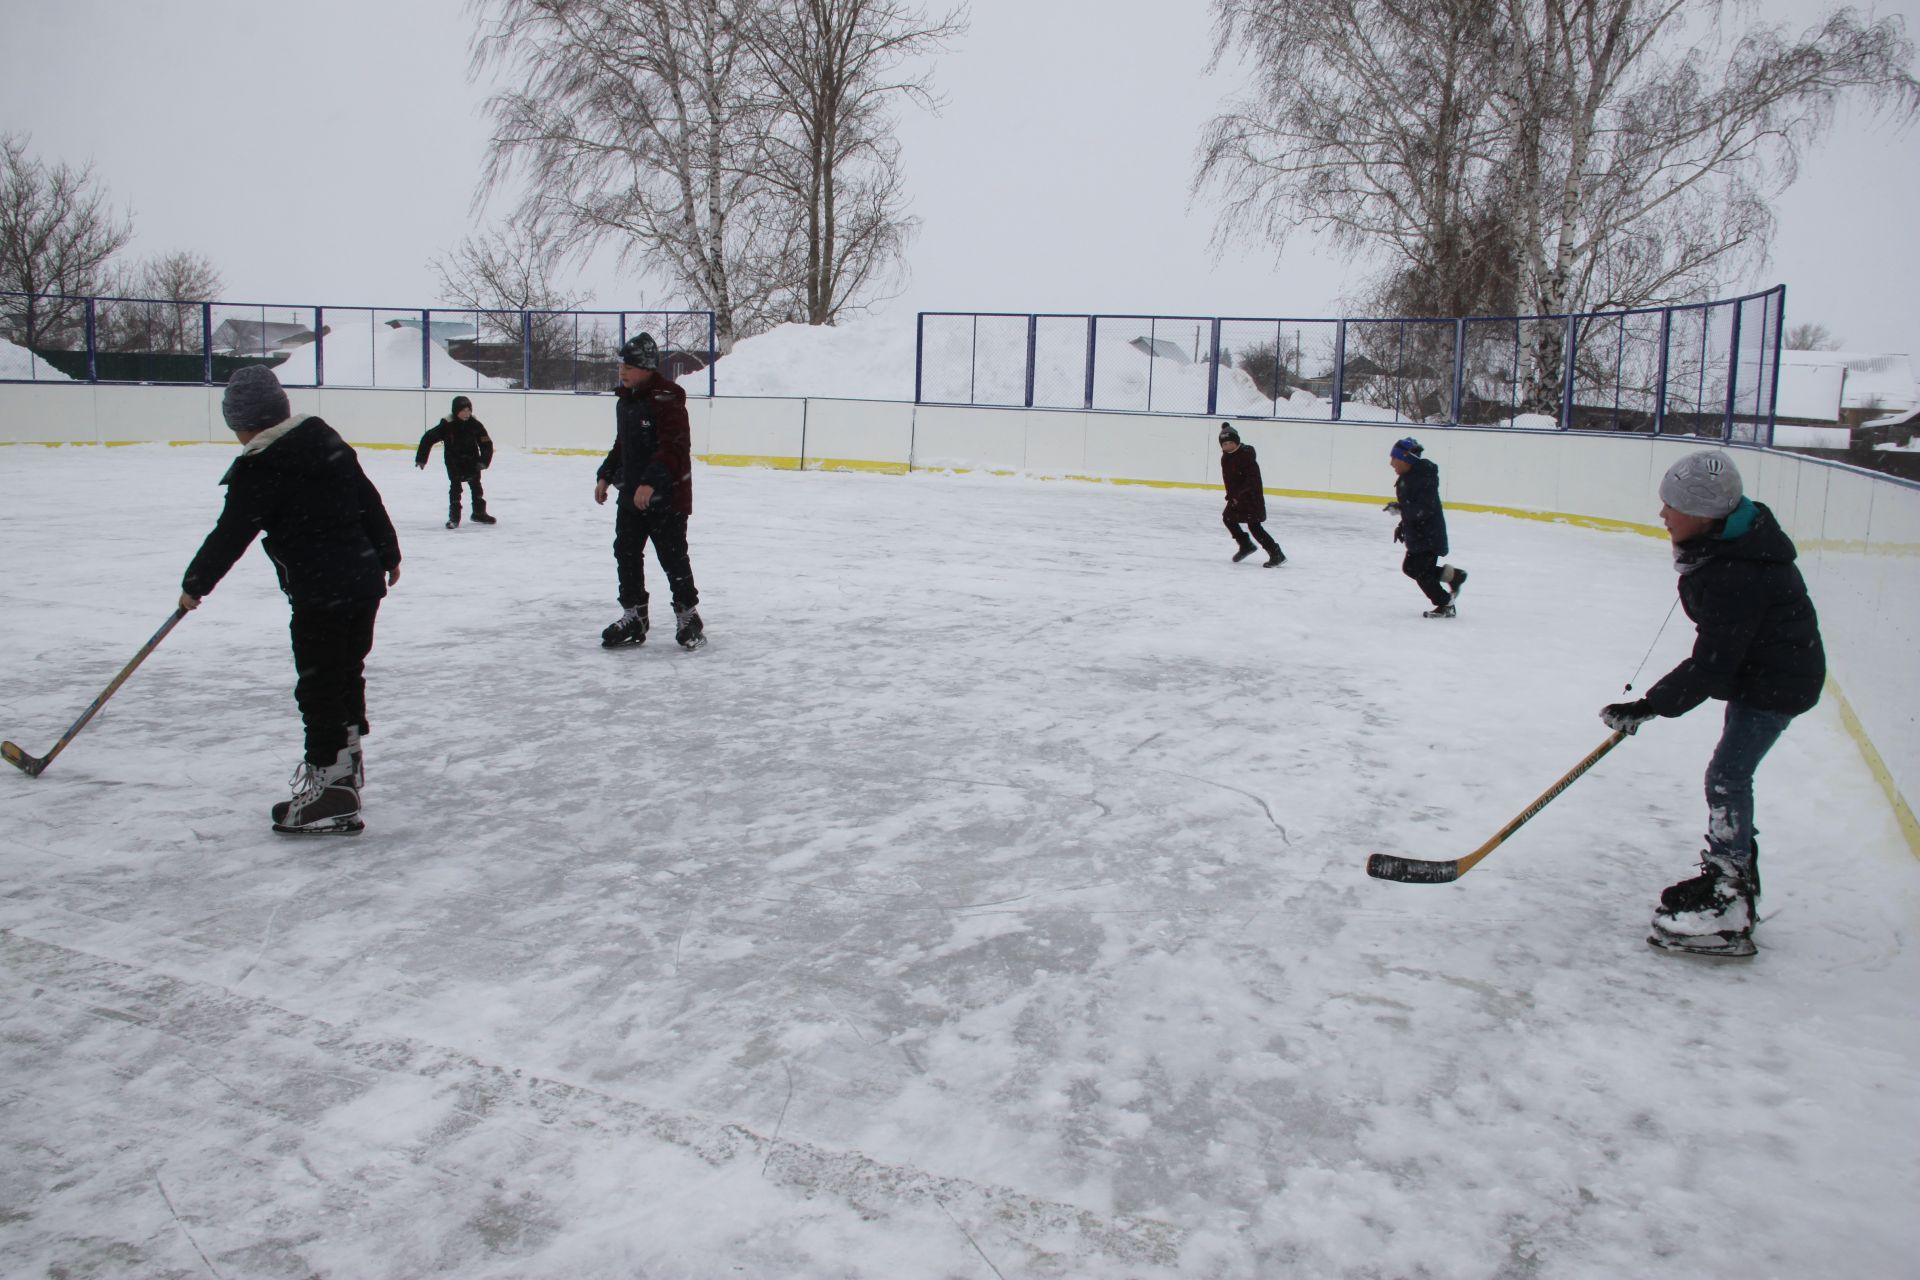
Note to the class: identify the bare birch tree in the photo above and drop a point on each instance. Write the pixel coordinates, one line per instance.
(1603, 153)
(506, 278)
(157, 306)
(57, 234)
(833, 69)
(640, 123)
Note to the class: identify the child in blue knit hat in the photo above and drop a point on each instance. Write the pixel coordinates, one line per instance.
(1423, 527)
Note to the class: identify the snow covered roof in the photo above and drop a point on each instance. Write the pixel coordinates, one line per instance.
(1880, 380)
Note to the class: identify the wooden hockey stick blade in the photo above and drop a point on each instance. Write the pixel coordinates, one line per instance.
(1386, 866)
(29, 765)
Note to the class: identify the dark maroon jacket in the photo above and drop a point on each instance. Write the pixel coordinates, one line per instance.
(1246, 503)
(652, 444)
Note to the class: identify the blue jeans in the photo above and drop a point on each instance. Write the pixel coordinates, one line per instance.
(1747, 737)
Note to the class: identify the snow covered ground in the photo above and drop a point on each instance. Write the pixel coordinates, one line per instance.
(985, 900)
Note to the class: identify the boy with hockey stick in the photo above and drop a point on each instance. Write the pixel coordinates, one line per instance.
(1423, 527)
(1757, 649)
(651, 468)
(468, 452)
(1246, 498)
(335, 553)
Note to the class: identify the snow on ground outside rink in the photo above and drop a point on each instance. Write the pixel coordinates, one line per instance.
(986, 899)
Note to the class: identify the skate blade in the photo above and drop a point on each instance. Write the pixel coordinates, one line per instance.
(698, 642)
(1707, 946)
(349, 827)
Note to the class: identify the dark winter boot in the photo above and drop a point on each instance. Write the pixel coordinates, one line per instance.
(629, 628)
(325, 801)
(453, 521)
(1275, 560)
(480, 515)
(1246, 549)
(688, 631)
(1711, 914)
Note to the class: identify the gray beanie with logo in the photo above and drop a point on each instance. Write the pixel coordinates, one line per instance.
(1704, 484)
(254, 400)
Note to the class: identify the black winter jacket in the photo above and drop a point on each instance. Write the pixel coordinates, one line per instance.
(652, 444)
(327, 531)
(1240, 471)
(1759, 639)
(469, 449)
(1423, 523)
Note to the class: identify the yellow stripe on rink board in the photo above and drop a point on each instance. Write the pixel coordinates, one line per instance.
(1902, 811)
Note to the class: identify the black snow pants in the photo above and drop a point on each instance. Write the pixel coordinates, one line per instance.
(1425, 571)
(667, 530)
(330, 647)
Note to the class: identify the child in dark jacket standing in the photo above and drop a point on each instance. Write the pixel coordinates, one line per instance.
(1246, 498)
(1423, 527)
(335, 553)
(468, 452)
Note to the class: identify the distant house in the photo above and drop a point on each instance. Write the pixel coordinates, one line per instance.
(258, 337)
(442, 331)
(1160, 348)
(1843, 388)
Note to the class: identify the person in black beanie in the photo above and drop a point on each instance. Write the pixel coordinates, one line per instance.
(335, 553)
(1246, 498)
(468, 452)
(1758, 649)
(651, 468)
(1423, 527)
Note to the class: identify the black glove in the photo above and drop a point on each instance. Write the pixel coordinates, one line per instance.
(1399, 533)
(1626, 717)
(1392, 508)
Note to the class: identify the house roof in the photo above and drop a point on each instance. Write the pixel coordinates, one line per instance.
(1881, 380)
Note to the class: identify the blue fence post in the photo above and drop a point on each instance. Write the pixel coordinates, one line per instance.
(1092, 323)
(319, 347)
(973, 361)
(919, 356)
(1566, 373)
(1779, 341)
(1666, 351)
(713, 360)
(1733, 377)
(1459, 365)
(206, 342)
(1033, 326)
(1339, 368)
(526, 350)
(426, 352)
(93, 368)
(1213, 371)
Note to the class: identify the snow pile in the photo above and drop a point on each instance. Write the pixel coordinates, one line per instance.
(862, 360)
(19, 364)
(362, 353)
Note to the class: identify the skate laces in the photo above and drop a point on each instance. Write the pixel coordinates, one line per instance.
(305, 781)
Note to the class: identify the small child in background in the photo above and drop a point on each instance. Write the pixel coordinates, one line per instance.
(468, 452)
(1423, 527)
(1246, 498)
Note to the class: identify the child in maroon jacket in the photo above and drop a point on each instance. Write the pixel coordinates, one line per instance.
(1246, 500)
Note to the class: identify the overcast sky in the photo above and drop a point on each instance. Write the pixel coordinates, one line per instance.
(324, 152)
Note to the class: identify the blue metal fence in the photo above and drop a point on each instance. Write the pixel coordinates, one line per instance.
(93, 339)
(1703, 369)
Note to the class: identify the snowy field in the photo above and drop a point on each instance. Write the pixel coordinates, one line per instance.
(985, 901)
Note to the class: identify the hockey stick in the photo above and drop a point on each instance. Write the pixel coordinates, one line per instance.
(1386, 866)
(34, 766)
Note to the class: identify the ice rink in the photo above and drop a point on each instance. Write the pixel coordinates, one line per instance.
(986, 900)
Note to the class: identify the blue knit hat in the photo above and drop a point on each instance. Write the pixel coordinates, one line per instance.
(1406, 449)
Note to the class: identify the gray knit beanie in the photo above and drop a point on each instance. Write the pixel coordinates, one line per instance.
(1704, 484)
(254, 400)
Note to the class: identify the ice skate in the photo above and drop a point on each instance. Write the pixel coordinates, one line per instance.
(1711, 914)
(1440, 611)
(688, 631)
(453, 522)
(629, 628)
(1275, 560)
(1455, 579)
(480, 516)
(1246, 549)
(325, 800)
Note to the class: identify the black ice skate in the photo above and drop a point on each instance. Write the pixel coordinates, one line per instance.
(1711, 914)
(1275, 560)
(688, 631)
(629, 628)
(453, 522)
(1440, 611)
(1456, 579)
(325, 801)
(480, 516)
